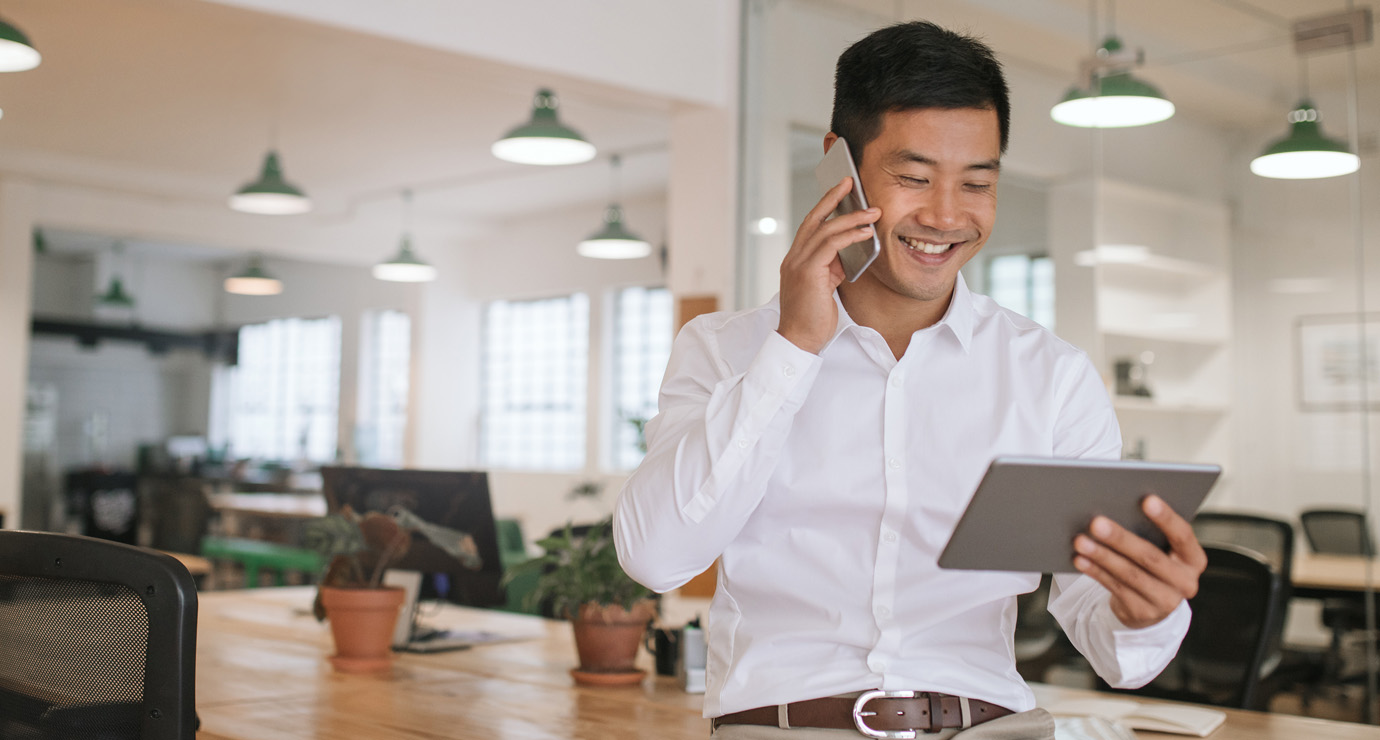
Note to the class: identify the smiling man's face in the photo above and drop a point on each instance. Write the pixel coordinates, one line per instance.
(933, 172)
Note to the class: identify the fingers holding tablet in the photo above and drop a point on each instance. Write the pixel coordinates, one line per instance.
(1146, 583)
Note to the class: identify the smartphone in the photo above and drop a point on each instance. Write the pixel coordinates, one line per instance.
(836, 165)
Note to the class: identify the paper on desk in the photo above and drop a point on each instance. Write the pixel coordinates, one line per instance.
(1175, 718)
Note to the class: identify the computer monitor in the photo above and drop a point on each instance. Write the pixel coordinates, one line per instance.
(455, 499)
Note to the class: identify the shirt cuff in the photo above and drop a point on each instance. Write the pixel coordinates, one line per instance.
(1142, 653)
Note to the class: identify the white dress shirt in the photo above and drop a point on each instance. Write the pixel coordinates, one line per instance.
(828, 484)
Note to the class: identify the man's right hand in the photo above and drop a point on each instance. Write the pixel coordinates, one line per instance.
(811, 270)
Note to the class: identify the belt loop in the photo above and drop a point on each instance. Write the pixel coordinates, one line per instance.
(966, 711)
(783, 716)
(936, 711)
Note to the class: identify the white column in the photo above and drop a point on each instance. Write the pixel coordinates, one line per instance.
(16, 279)
(702, 207)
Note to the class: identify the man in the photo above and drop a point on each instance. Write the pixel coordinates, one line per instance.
(824, 446)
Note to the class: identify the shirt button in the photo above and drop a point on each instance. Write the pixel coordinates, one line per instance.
(893, 463)
(788, 371)
(889, 536)
(879, 665)
(742, 444)
(895, 381)
(883, 612)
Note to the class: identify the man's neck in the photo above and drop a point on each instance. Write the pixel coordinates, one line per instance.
(894, 316)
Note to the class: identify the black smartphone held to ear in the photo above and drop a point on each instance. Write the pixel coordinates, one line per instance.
(836, 165)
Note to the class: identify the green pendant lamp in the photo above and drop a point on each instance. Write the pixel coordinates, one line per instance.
(544, 139)
(16, 52)
(253, 280)
(1114, 98)
(115, 295)
(271, 194)
(405, 266)
(614, 241)
(1305, 153)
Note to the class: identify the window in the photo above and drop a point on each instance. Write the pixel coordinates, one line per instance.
(282, 397)
(535, 364)
(641, 346)
(1023, 283)
(384, 364)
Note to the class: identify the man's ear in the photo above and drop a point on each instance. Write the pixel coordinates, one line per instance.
(829, 140)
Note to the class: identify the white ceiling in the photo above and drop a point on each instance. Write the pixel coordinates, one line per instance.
(180, 98)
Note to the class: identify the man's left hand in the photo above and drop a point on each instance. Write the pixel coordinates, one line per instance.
(1146, 583)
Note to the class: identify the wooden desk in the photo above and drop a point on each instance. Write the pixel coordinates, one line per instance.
(262, 675)
(1319, 576)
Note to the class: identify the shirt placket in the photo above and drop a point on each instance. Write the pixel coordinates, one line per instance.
(884, 653)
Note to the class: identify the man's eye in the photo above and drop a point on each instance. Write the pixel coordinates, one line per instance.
(914, 180)
(979, 186)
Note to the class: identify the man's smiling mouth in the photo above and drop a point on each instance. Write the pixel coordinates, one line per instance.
(923, 246)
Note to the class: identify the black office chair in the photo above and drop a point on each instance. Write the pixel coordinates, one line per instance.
(1339, 532)
(1238, 615)
(1273, 538)
(97, 640)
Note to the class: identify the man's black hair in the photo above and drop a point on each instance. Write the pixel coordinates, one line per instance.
(909, 66)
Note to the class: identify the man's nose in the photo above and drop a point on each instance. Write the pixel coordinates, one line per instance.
(942, 211)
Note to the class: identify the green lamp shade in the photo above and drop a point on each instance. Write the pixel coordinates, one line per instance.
(115, 295)
(614, 242)
(16, 53)
(253, 280)
(544, 139)
(1305, 153)
(1118, 101)
(270, 194)
(405, 266)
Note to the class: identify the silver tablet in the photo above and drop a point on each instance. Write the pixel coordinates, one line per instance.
(1027, 510)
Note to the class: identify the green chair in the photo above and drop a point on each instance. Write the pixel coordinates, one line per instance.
(256, 555)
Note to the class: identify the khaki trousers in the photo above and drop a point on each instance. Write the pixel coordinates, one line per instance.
(1036, 724)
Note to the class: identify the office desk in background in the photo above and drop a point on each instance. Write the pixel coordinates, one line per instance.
(262, 675)
(1319, 576)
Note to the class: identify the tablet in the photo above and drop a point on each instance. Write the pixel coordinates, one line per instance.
(1027, 510)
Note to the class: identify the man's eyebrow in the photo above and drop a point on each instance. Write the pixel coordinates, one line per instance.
(906, 156)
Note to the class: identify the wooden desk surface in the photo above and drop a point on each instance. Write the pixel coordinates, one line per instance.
(262, 674)
(1319, 573)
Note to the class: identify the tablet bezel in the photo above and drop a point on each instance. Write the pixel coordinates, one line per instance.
(1027, 510)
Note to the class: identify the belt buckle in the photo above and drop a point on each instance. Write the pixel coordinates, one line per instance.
(858, 715)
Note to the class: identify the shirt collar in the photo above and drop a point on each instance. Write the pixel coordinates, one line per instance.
(958, 317)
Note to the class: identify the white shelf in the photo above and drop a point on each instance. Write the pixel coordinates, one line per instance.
(1176, 336)
(1137, 404)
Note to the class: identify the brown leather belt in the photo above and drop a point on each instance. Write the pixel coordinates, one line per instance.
(878, 714)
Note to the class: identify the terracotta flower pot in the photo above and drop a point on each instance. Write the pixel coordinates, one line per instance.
(362, 621)
(607, 639)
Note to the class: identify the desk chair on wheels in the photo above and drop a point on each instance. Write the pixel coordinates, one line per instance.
(97, 640)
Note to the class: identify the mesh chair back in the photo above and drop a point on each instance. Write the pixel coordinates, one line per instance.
(97, 640)
(1272, 538)
(1238, 616)
(1337, 531)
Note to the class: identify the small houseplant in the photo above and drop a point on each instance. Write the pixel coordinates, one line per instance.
(359, 548)
(580, 578)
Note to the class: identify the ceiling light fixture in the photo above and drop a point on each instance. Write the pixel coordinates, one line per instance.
(543, 139)
(405, 266)
(1305, 153)
(16, 52)
(1109, 96)
(614, 241)
(271, 194)
(253, 280)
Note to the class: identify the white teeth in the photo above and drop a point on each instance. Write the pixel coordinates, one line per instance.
(926, 247)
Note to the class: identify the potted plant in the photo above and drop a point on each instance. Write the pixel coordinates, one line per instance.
(580, 578)
(362, 611)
